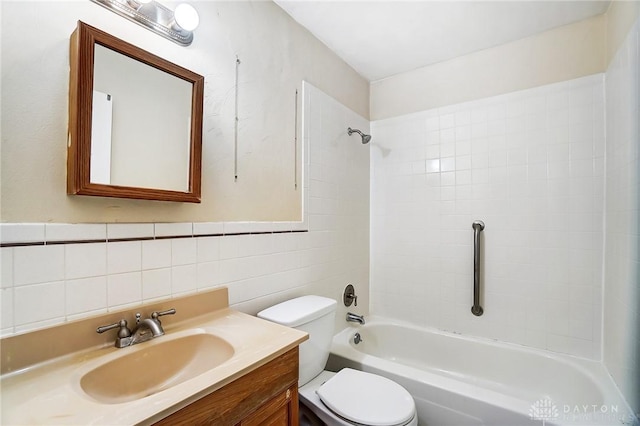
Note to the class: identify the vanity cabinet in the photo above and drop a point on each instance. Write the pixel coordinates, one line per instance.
(267, 395)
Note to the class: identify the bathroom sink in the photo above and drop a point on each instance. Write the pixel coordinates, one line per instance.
(154, 366)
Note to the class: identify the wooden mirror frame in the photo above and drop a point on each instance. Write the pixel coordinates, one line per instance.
(83, 40)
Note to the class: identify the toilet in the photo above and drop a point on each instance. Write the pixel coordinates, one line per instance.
(349, 397)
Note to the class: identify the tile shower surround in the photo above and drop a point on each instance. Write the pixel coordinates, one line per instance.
(530, 164)
(260, 263)
(622, 250)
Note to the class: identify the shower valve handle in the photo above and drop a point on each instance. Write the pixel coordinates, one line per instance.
(349, 296)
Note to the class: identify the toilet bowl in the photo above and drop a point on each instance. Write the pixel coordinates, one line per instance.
(348, 397)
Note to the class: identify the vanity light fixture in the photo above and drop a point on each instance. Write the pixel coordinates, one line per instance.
(176, 25)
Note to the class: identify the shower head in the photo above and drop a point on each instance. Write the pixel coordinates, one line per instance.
(365, 138)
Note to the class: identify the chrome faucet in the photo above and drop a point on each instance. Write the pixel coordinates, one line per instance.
(351, 317)
(145, 329)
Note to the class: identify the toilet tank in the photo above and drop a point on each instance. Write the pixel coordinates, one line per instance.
(314, 315)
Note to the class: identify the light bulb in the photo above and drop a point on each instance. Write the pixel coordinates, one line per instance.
(137, 3)
(186, 17)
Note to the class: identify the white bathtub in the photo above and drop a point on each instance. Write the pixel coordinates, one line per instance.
(458, 380)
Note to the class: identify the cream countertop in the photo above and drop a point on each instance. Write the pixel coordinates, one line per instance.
(49, 392)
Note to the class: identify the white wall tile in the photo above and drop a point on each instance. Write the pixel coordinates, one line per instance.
(6, 267)
(208, 249)
(183, 251)
(208, 274)
(37, 264)
(39, 302)
(85, 260)
(230, 247)
(6, 304)
(156, 283)
(527, 169)
(252, 245)
(244, 227)
(75, 232)
(303, 225)
(183, 279)
(21, 232)
(281, 226)
(208, 228)
(447, 121)
(124, 256)
(85, 295)
(129, 230)
(156, 254)
(173, 229)
(124, 289)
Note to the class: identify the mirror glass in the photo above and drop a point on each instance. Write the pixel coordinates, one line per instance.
(135, 122)
(141, 124)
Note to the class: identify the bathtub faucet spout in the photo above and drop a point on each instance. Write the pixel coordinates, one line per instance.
(351, 317)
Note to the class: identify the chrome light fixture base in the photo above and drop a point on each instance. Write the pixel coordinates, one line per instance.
(153, 16)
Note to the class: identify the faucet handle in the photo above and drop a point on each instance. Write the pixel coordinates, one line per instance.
(155, 315)
(123, 332)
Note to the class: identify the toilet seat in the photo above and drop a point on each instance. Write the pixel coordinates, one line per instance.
(366, 398)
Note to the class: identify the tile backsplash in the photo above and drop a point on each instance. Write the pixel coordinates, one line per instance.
(530, 164)
(52, 273)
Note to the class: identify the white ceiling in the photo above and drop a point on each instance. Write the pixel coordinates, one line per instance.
(382, 38)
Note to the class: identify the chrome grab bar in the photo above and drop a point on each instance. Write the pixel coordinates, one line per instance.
(477, 226)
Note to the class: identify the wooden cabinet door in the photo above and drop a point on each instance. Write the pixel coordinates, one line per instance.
(262, 396)
(282, 410)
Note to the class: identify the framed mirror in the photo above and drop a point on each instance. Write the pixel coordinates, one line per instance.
(135, 122)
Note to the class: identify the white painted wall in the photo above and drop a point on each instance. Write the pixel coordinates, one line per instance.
(50, 284)
(561, 54)
(622, 253)
(530, 164)
(276, 54)
(620, 18)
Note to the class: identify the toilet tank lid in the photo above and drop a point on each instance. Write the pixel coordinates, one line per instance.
(298, 311)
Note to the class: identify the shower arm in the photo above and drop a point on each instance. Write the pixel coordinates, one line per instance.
(365, 138)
